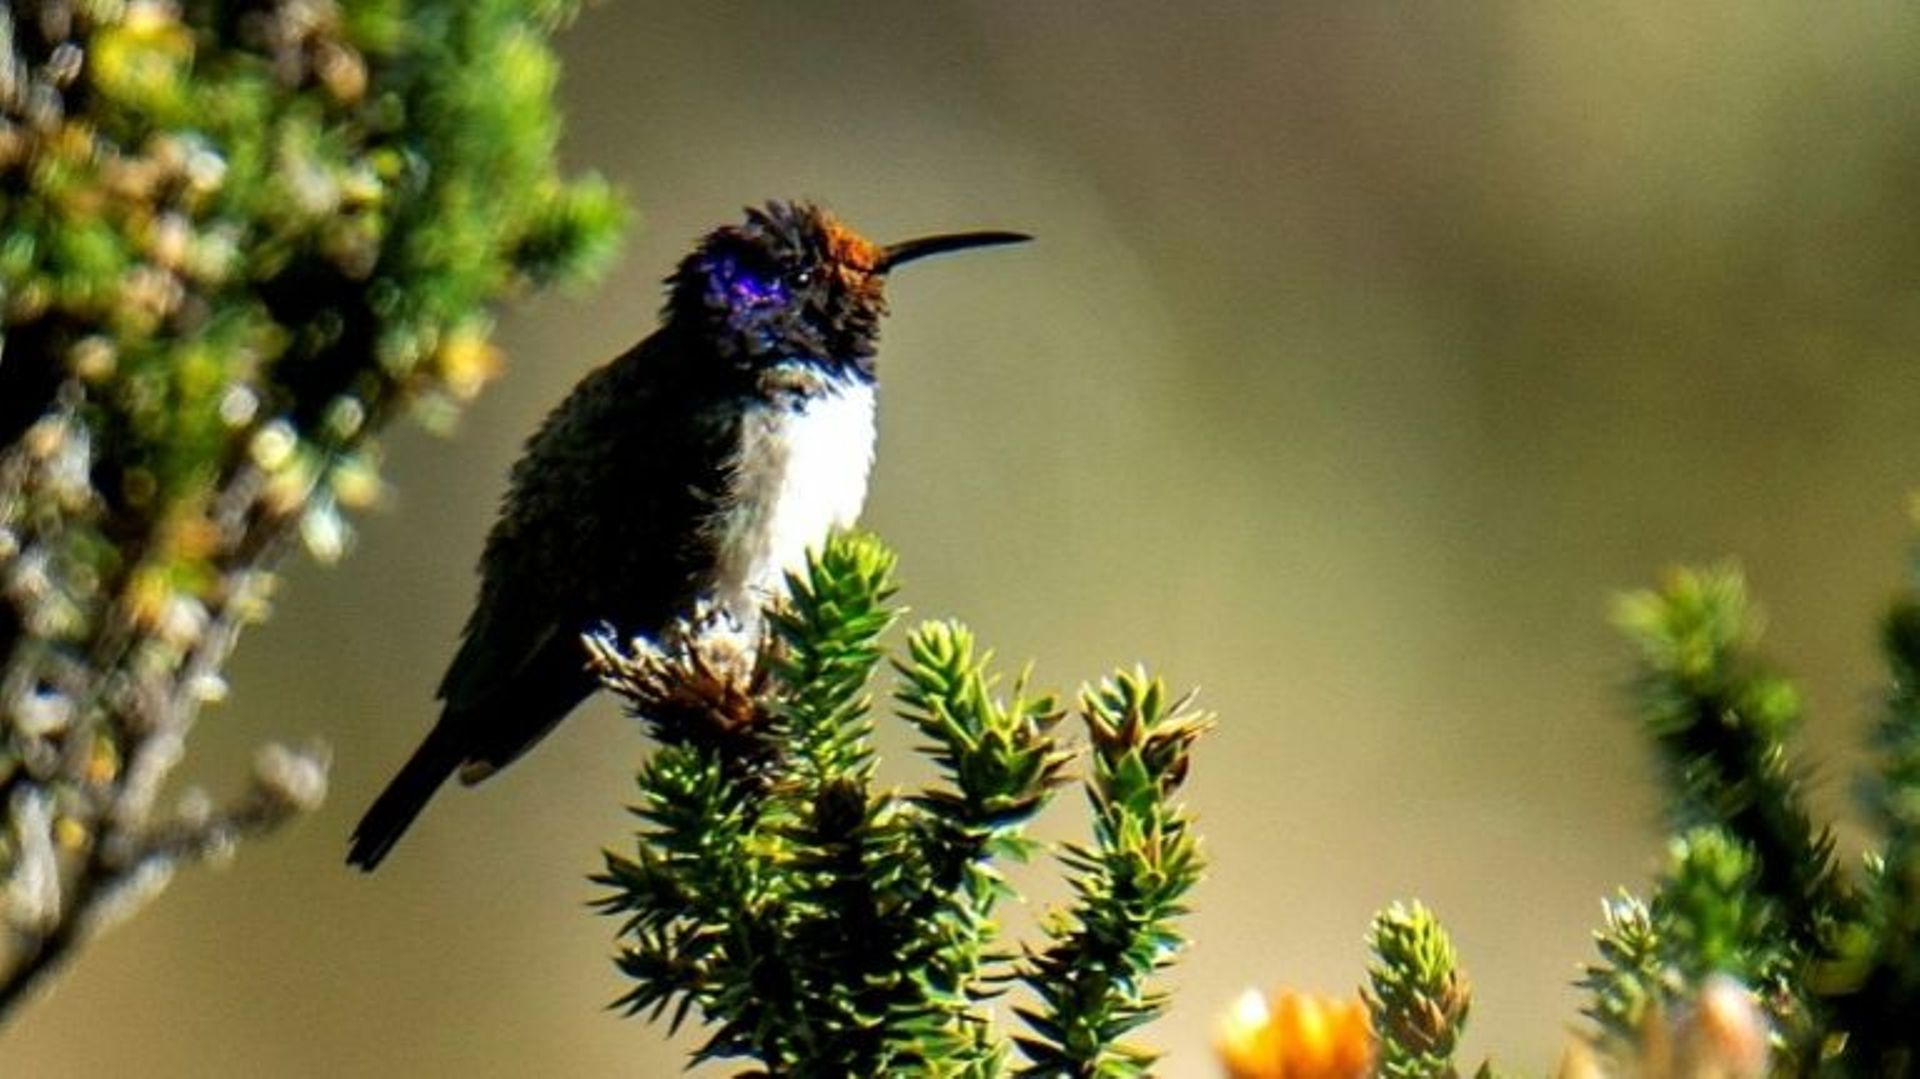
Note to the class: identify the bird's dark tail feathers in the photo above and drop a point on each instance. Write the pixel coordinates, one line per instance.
(393, 812)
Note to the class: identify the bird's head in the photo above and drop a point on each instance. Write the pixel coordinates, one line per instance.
(794, 285)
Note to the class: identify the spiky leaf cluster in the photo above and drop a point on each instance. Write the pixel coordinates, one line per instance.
(999, 758)
(1722, 723)
(816, 924)
(1752, 890)
(1415, 994)
(1093, 980)
(1632, 979)
(830, 629)
(1707, 917)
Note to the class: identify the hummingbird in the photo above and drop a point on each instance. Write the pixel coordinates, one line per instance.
(681, 480)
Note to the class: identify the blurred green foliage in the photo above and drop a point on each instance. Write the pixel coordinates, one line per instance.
(252, 232)
(237, 237)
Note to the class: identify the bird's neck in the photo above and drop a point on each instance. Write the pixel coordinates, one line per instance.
(796, 384)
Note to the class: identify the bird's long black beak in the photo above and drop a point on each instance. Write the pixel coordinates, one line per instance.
(907, 250)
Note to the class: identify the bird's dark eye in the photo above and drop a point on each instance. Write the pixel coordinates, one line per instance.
(801, 278)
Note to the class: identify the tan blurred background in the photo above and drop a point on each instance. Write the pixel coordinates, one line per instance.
(1367, 348)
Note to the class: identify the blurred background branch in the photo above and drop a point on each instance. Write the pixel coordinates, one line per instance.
(237, 239)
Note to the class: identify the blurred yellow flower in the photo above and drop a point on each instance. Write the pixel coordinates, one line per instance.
(468, 361)
(1293, 1035)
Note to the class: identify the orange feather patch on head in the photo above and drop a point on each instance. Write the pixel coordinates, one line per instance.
(848, 249)
(855, 262)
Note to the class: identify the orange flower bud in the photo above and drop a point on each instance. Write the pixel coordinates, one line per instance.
(1291, 1035)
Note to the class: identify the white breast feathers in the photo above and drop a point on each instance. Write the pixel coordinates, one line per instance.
(801, 471)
